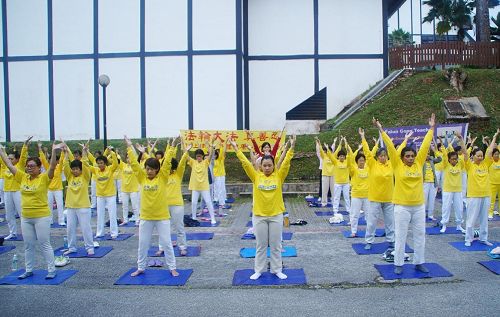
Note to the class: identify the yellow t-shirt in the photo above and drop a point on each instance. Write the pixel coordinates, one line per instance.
(174, 191)
(34, 202)
(478, 180)
(359, 181)
(327, 167)
(452, 177)
(408, 187)
(105, 183)
(77, 192)
(56, 181)
(219, 169)
(495, 172)
(154, 204)
(267, 190)
(381, 178)
(439, 166)
(10, 184)
(129, 180)
(199, 174)
(341, 170)
(429, 176)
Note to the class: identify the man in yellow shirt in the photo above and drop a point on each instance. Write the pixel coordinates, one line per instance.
(219, 172)
(198, 182)
(327, 171)
(341, 175)
(55, 187)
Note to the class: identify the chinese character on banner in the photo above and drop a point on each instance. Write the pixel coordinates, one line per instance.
(263, 136)
(233, 135)
(217, 136)
(274, 136)
(190, 136)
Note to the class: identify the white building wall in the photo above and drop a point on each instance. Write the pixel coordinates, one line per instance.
(72, 26)
(214, 24)
(27, 27)
(166, 25)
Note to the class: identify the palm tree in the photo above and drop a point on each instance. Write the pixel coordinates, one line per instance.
(399, 37)
(450, 14)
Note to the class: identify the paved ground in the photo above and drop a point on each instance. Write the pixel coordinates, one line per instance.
(339, 282)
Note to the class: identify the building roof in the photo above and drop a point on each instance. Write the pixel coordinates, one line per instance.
(393, 6)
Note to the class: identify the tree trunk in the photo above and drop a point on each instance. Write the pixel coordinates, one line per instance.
(482, 21)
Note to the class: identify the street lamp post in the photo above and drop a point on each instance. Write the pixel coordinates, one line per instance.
(104, 82)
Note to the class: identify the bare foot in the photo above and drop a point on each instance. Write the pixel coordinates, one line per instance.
(353, 235)
(174, 272)
(136, 273)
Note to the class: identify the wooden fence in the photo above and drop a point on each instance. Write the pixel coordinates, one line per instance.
(445, 53)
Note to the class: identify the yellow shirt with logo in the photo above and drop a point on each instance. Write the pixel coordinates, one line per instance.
(56, 183)
(327, 168)
(199, 174)
(381, 178)
(452, 175)
(408, 187)
(77, 192)
(495, 172)
(429, 175)
(105, 183)
(219, 169)
(34, 201)
(10, 184)
(129, 180)
(267, 190)
(174, 191)
(478, 178)
(359, 177)
(341, 170)
(154, 205)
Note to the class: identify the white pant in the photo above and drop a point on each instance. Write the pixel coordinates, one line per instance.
(205, 194)
(1, 190)
(344, 190)
(37, 229)
(439, 178)
(12, 209)
(134, 201)
(81, 215)
(177, 218)
(145, 232)
(452, 200)
(374, 213)
(404, 216)
(464, 189)
(108, 203)
(327, 184)
(477, 209)
(118, 185)
(220, 189)
(429, 198)
(356, 206)
(56, 195)
(93, 194)
(268, 231)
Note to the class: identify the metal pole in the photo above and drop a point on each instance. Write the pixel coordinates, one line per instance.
(104, 117)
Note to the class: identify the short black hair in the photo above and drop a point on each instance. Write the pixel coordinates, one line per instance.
(174, 163)
(341, 152)
(77, 152)
(358, 156)
(161, 153)
(494, 151)
(451, 154)
(267, 157)
(264, 144)
(34, 159)
(152, 163)
(199, 152)
(76, 163)
(102, 158)
(407, 149)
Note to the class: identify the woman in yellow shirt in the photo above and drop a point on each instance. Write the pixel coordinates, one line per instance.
(359, 187)
(198, 182)
(12, 194)
(55, 186)
(431, 182)
(77, 201)
(268, 208)
(408, 197)
(220, 176)
(129, 192)
(35, 215)
(341, 175)
(494, 180)
(478, 193)
(327, 171)
(153, 179)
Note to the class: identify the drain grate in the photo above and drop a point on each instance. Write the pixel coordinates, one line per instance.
(455, 108)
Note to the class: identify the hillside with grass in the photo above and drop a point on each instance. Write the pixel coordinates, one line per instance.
(410, 102)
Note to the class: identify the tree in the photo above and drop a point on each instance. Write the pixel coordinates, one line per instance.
(482, 18)
(400, 37)
(495, 31)
(450, 14)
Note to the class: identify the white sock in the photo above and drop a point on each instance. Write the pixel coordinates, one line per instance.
(281, 276)
(443, 229)
(255, 276)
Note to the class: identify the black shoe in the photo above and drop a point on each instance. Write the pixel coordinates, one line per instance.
(368, 246)
(398, 270)
(421, 268)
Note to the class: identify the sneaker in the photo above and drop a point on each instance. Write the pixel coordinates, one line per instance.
(432, 218)
(10, 237)
(25, 275)
(443, 229)
(255, 276)
(96, 244)
(490, 217)
(51, 275)
(368, 246)
(62, 224)
(61, 260)
(421, 268)
(281, 276)
(459, 228)
(467, 243)
(213, 222)
(69, 251)
(90, 252)
(486, 242)
(495, 212)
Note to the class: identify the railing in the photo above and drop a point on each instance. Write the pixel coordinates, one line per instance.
(445, 53)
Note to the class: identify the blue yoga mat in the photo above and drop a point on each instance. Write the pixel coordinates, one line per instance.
(495, 218)
(318, 205)
(284, 236)
(6, 248)
(361, 233)
(18, 237)
(323, 213)
(288, 251)
(475, 246)
(56, 225)
(493, 266)
(377, 248)
(195, 236)
(38, 278)
(208, 224)
(3, 223)
(361, 222)
(340, 224)
(121, 237)
(155, 277)
(192, 251)
(81, 252)
(435, 231)
(229, 200)
(295, 277)
(435, 270)
(130, 224)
